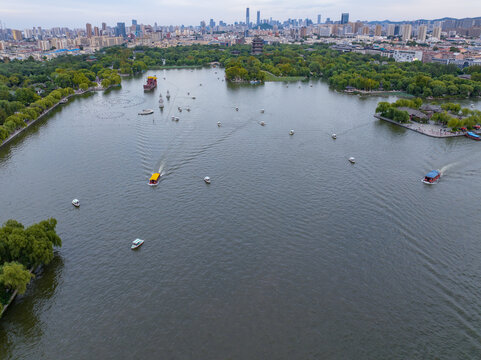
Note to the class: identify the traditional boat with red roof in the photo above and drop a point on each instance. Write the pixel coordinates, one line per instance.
(151, 83)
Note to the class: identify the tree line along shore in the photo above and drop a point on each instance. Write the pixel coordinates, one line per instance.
(29, 88)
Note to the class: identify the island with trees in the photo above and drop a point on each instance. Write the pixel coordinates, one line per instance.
(22, 250)
(444, 120)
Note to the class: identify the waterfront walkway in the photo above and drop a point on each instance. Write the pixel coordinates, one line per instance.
(425, 129)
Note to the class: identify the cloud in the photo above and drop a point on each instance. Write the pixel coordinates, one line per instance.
(48, 13)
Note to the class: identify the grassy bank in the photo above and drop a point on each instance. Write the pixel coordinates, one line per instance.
(272, 77)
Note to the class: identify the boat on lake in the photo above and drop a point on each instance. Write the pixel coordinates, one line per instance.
(473, 136)
(154, 179)
(352, 160)
(75, 202)
(207, 180)
(334, 136)
(432, 177)
(136, 243)
(146, 112)
(151, 83)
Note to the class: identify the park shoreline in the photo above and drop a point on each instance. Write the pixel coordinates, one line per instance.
(45, 112)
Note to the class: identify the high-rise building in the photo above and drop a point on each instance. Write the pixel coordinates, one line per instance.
(120, 29)
(437, 32)
(88, 29)
(17, 35)
(134, 22)
(247, 17)
(104, 26)
(344, 18)
(96, 31)
(396, 30)
(211, 23)
(258, 17)
(378, 30)
(406, 31)
(390, 30)
(422, 30)
(319, 18)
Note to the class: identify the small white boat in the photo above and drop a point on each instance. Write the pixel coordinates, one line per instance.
(136, 243)
(146, 112)
(176, 119)
(207, 180)
(262, 111)
(167, 95)
(75, 202)
(262, 123)
(188, 109)
(334, 136)
(193, 97)
(180, 109)
(236, 109)
(218, 123)
(291, 132)
(63, 101)
(352, 160)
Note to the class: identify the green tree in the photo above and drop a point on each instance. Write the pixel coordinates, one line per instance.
(14, 276)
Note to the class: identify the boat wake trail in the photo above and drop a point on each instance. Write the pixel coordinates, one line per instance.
(445, 168)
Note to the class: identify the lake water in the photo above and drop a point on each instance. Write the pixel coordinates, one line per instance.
(290, 253)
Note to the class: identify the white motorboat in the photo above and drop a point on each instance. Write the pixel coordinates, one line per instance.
(236, 109)
(262, 111)
(218, 123)
(146, 112)
(334, 136)
(291, 132)
(180, 109)
(207, 180)
(136, 243)
(177, 119)
(352, 160)
(75, 202)
(63, 101)
(262, 123)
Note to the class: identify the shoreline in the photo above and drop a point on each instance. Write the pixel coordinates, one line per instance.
(423, 129)
(31, 122)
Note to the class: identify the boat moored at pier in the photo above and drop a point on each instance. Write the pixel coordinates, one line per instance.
(473, 136)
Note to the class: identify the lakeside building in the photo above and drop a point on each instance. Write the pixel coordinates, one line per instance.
(257, 46)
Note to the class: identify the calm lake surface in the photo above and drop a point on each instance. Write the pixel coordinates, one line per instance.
(290, 253)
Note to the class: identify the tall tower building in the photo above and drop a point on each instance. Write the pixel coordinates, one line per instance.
(344, 18)
(120, 29)
(88, 29)
(422, 30)
(319, 18)
(247, 17)
(378, 30)
(96, 31)
(437, 32)
(104, 26)
(258, 17)
(406, 31)
(390, 30)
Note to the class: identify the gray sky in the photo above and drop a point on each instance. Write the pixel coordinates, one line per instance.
(20, 14)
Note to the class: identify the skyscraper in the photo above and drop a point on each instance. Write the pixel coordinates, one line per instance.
(104, 26)
(437, 32)
(88, 30)
(422, 33)
(406, 31)
(390, 30)
(96, 31)
(344, 18)
(134, 22)
(258, 17)
(378, 30)
(120, 29)
(319, 18)
(247, 17)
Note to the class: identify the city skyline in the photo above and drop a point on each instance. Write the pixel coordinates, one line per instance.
(27, 13)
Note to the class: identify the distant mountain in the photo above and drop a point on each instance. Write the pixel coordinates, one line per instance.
(418, 20)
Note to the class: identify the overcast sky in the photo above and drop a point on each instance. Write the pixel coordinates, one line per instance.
(20, 14)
